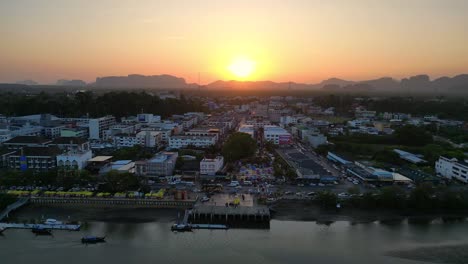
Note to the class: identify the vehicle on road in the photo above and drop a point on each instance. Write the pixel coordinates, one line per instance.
(233, 184)
(205, 199)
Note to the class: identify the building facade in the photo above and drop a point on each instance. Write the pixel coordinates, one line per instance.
(452, 169)
(209, 166)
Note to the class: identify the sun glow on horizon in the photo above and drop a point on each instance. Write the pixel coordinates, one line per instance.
(242, 67)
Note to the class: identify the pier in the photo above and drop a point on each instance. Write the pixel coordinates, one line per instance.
(113, 202)
(242, 216)
(4, 226)
(20, 202)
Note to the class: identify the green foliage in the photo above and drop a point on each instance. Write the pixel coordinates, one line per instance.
(412, 136)
(239, 146)
(327, 199)
(323, 149)
(113, 103)
(392, 197)
(136, 152)
(5, 200)
(456, 134)
(450, 109)
(120, 182)
(66, 179)
(388, 156)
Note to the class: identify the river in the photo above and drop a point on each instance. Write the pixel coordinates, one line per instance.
(284, 242)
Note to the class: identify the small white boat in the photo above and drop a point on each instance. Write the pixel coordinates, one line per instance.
(51, 221)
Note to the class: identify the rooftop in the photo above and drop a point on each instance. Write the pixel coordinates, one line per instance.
(69, 140)
(27, 140)
(100, 158)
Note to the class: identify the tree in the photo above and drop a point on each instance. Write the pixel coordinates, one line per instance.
(421, 197)
(120, 182)
(388, 156)
(327, 199)
(410, 135)
(239, 146)
(392, 197)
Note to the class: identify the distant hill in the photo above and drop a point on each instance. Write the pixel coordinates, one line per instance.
(78, 83)
(27, 82)
(334, 81)
(259, 85)
(141, 81)
(417, 84)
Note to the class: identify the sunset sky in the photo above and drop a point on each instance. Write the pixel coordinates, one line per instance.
(294, 40)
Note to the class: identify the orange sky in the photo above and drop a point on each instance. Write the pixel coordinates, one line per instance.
(301, 41)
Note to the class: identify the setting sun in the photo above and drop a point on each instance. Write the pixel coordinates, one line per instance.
(242, 67)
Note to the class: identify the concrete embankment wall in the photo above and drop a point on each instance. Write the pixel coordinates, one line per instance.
(112, 202)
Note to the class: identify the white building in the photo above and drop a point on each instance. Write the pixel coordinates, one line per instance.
(275, 134)
(162, 164)
(148, 118)
(147, 138)
(211, 166)
(52, 131)
(452, 168)
(97, 126)
(74, 159)
(176, 142)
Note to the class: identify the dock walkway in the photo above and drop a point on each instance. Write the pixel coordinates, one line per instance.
(42, 226)
(20, 202)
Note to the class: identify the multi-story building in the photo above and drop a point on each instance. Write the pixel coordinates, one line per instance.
(452, 168)
(182, 141)
(148, 118)
(162, 164)
(209, 166)
(34, 158)
(97, 126)
(204, 131)
(143, 138)
(71, 143)
(74, 132)
(52, 131)
(127, 140)
(26, 141)
(74, 159)
(275, 134)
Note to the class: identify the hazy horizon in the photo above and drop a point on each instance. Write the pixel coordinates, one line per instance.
(299, 41)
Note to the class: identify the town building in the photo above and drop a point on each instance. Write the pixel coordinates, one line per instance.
(98, 126)
(161, 165)
(209, 166)
(34, 158)
(182, 141)
(26, 141)
(74, 159)
(452, 168)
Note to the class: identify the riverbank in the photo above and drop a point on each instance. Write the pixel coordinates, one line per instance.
(84, 214)
(285, 210)
(298, 210)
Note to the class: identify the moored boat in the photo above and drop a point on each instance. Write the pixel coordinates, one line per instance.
(181, 227)
(41, 231)
(92, 239)
(51, 221)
